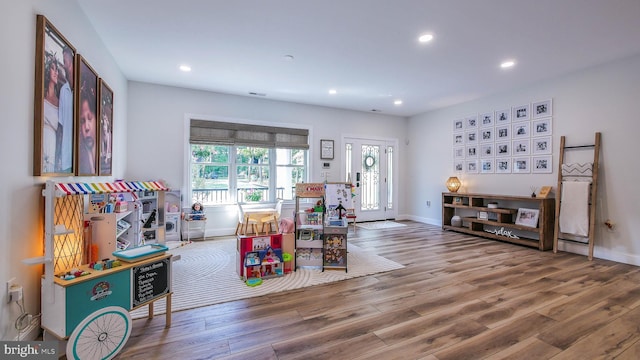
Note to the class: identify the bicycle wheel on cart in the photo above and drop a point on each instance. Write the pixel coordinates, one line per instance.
(101, 335)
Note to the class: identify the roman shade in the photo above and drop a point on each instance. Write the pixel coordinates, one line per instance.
(225, 133)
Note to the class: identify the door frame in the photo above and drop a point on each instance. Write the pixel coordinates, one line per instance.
(388, 213)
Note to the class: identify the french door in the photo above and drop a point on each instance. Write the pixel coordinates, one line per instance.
(369, 166)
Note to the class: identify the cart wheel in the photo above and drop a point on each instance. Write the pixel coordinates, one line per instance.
(101, 335)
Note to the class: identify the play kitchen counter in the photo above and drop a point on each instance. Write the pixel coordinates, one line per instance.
(517, 219)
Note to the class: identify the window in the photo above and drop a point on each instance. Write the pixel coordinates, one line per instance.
(243, 163)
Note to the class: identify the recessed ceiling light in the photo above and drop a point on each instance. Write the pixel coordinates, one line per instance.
(289, 57)
(397, 102)
(333, 91)
(185, 68)
(507, 64)
(425, 38)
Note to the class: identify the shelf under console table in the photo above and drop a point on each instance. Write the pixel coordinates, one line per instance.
(499, 222)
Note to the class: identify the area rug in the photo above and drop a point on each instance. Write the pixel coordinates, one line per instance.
(379, 225)
(206, 274)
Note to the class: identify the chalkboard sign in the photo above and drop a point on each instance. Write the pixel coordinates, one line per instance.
(150, 281)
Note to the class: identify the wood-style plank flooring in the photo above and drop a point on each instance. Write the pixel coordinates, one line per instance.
(459, 297)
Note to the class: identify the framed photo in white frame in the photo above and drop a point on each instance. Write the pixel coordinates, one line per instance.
(472, 151)
(542, 127)
(458, 166)
(542, 164)
(471, 166)
(486, 119)
(503, 165)
(521, 130)
(527, 217)
(502, 117)
(471, 122)
(486, 134)
(471, 137)
(458, 125)
(458, 152)
(520, 113)
(486, 150)
(486, 166)
(458, 139)
(541, 145)
(503, 148)
(521, 165)
(503, 132)
(520, 147)
(542, 108)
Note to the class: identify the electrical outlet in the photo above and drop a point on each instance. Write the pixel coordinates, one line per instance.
(428, 203)
(11, 283)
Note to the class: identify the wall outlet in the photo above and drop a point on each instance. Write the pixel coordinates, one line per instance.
(428, 203)
(10, 284)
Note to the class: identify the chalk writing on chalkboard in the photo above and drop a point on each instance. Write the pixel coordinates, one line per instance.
(150, 281)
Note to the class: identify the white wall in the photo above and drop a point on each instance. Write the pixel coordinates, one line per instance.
(602, 99)
(156, 134)
(21, 221)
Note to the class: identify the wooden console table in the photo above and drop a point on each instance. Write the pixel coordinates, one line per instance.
(500, 223)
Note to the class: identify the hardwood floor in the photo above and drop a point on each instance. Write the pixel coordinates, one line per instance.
(459, 297)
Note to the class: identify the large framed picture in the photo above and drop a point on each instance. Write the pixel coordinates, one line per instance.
(105, 138)
(527, 217)
(53, 152)
(87, 134)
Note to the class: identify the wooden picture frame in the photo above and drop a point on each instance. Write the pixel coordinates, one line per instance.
(86, 109)
(326, 149)
(54, 102)
(105, 129)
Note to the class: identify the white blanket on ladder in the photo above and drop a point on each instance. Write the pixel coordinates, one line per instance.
(574, 209)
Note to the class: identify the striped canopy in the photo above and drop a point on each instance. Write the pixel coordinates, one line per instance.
(103, 188)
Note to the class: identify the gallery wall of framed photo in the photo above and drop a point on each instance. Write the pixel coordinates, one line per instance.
(511, 140)
(73, 110)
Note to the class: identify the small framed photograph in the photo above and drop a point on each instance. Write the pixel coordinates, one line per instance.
(527, 217)
(471, 166)
(541, 145)
(520, 165)
(486, 150)
(458, 125)
(458, 139)
(458, 152)
(542, 109)
(502, 117)
(471, 122)
(458, 166)
(521, 130)
(483, 215)
(326, 149)
(542, 127)
(457, 200)
(486, 119)
(486, 166)
(486, 134)
(520, 147)
(503, 132)
(472, 151)
(471, 137)
(520, 112)
(542, 164)
(503, 148)
(503, 165)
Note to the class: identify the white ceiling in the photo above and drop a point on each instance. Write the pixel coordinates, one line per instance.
(365, 49)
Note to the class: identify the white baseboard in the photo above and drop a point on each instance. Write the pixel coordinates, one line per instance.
(31, 333)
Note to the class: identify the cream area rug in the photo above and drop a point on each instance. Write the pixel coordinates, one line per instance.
(206, 274)
(380, 225)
